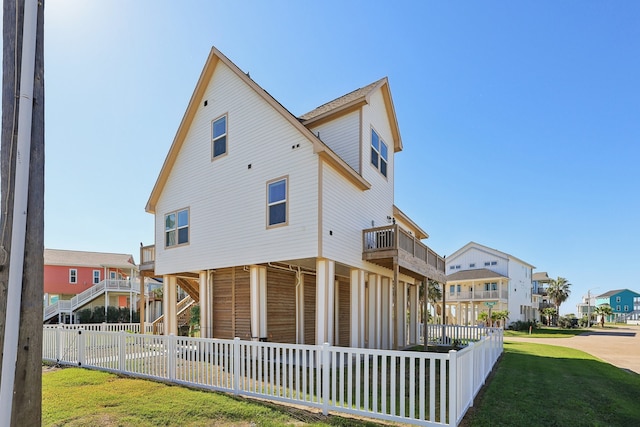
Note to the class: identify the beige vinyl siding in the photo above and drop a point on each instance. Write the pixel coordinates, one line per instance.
(281, 306)
(346, 210)
(343, 137)
(226, 198)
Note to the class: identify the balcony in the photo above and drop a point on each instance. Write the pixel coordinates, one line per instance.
(147, 259)
(387, 245)
(478, 295)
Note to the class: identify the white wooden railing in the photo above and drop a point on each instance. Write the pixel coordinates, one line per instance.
(104, 327)
(429, 389)
(477, 295)
(68, 306)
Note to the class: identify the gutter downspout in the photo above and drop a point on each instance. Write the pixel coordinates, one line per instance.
(20, 203)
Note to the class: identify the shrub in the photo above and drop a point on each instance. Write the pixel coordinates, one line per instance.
(520, 325)
(565, 322)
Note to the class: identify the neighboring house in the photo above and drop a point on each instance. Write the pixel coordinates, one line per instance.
(587, 306)
(103, 279)
(480, 278)
(539, 285)
(282, 227)
(622, 302)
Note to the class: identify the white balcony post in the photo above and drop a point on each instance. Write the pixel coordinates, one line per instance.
(386, 292)
(357, 308)
(325, 279)
(204, 304)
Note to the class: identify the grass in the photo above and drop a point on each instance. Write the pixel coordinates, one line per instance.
(80, 397)
(544, 385)
(545, 332)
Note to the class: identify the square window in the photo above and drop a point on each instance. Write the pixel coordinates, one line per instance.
(176, 228)
(219, 137)
(277, 202)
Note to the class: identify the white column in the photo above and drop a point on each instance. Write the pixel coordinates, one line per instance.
(371, 310)
(336, 313)
(325, 277)
(386, 293)
(258, 301)
(204, 304)
(169, 302)
(378, 312)
(357, 308)
(401, 314)
(413, 313)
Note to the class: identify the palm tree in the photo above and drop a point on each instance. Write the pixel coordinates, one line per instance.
(434, 293)
(603, 310)
(559, 291)
(549, 312)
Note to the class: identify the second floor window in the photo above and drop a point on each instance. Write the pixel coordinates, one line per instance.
(219, 137)
(96, 277)
(73, 276)
(491, 286)
(379, 153)
(176, 228)
(277, 202)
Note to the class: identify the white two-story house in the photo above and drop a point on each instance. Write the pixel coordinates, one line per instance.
(480, 278)
(282, 227)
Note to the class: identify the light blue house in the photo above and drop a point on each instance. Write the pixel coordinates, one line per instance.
(621, 302)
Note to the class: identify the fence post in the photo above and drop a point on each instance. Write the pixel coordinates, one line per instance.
(171, 356)
(325, 378)
(453, 388)
(58, 343)
(122, 353)
(81, 345)
(236, 365)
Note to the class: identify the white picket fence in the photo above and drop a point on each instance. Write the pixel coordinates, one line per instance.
(429, 389)
(104, 327)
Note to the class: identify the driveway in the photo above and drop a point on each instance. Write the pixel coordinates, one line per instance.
(618, 345)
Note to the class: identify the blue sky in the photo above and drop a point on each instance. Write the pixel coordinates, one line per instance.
(520, 120)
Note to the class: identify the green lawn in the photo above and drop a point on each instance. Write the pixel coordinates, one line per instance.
(80, 397)
(545, 332)
(544, 385)
(533, 385)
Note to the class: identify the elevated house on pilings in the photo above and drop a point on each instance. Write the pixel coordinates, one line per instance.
(284, 228)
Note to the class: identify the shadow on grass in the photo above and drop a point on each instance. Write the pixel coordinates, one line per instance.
(544, 385)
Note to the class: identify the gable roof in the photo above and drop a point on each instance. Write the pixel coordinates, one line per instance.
(541, 276)
(214, 58)
(63, 257)
(486, 249)
(353, 100)
(476, 274)
(615, 292)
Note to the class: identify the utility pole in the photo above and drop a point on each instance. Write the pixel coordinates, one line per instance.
(22, 213)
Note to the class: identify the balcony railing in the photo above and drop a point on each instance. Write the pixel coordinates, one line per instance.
(391, 240)
(147, 257)
(477, 295)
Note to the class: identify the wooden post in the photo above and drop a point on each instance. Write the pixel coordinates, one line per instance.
(27, 397)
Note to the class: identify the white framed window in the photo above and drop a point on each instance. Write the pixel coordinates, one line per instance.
(487, 264)
(113, 275)
(277, 196)
(626, 308)
(452, 289)
(472, 265)
(96, 277)
(457, 266)
(452, 267)
(219, 137)
(494, 262)
(617, 308)
(73, 276)
(176, 228)
(491, 286)
(379, 153)
(618, 299)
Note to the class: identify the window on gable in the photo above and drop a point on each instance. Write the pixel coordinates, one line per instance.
(277, 202)
(73, 276)
(379, 153)
(176, 228)
(617, 299)
(219, 137)
(96, 277)
(473, 264)
(486, 264)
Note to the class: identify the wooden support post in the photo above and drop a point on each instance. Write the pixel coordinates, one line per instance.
(27, 387)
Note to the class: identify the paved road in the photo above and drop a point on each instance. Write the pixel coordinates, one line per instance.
(619, 346)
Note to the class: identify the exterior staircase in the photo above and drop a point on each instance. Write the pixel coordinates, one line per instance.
(183, 311)
(83, 298)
